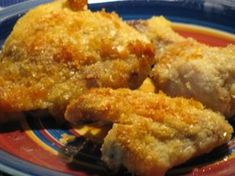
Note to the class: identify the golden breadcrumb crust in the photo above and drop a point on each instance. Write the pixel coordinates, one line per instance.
(55, 52)
(151, 132)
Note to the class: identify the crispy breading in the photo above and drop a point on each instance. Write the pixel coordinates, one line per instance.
(54, 53)
(185, 67)
(151, 132)
(195, 70)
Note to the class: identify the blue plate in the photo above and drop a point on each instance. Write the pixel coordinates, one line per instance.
(210, 13)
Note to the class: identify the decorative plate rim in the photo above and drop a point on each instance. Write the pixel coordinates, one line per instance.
(18, 9)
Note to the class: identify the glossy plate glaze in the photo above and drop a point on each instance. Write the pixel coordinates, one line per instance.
(31, 147)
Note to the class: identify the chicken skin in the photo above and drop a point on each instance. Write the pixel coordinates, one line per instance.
(194, 70)
(58, 50)
(151, 133)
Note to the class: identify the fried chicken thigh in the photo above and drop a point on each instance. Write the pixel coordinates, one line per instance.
(58, 50)
(192, 69)
(151, 133)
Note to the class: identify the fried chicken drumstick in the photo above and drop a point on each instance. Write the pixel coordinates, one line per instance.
(58, 50)
(151, 132)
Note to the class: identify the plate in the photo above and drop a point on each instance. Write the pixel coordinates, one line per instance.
(31, 147)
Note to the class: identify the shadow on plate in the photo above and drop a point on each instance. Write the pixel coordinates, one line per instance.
(83, 154)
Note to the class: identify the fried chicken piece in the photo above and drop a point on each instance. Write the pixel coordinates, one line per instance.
(195, 70)
(187, 68)
(55, 52)
(151, 132)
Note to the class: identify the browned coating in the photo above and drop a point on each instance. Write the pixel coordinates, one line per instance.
(151, 132)
(54, 53)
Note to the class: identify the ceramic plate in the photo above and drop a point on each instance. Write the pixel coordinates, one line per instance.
(31, 147)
